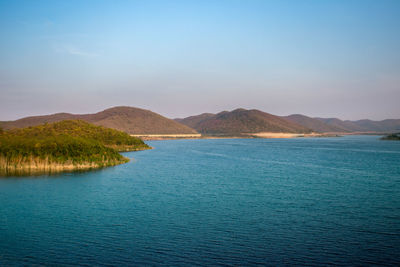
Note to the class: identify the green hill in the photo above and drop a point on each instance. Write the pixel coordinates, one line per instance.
(325, 125)
(241, 121)
(314, 124)
(128, 119)
(65, 145)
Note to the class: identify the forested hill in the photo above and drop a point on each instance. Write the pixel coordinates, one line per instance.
(241, 121)
(65, 145)
(128, 119)
(314, 124)
(337, 125)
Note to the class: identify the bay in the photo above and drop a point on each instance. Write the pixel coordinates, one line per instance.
(311, 201)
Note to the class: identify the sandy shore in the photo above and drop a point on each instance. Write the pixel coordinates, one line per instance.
(276, 135)
(166, 136)
(290, 135)
(243, 135)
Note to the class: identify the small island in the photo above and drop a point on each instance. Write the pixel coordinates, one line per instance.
(63, 146)
(394, 136)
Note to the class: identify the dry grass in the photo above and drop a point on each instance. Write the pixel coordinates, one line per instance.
(36, 165)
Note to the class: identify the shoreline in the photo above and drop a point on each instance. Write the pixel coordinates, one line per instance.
(266, 135)
(38, 166)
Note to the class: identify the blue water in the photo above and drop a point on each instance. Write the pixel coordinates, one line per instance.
(214, 202)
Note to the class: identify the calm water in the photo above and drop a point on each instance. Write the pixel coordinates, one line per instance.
(214, 202)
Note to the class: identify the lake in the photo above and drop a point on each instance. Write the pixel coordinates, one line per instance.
(311, 201)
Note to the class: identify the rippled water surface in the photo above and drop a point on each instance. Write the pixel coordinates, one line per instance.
(214, 202)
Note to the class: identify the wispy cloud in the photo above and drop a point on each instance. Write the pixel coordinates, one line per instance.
(73, 50)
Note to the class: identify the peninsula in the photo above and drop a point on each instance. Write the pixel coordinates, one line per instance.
(63, 146)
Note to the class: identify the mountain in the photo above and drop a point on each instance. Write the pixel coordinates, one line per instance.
(389, 125)
(315, 124)
(347, 126)
(128, 119)
(337, 125)
(36, 120)
(194, 121)
(241, 121)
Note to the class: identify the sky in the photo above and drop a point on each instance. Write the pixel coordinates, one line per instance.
(182, 58)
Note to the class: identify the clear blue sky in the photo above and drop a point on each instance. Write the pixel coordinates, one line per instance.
(180, 58)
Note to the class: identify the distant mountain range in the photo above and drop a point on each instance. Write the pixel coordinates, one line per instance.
(314, 124)
(253, 121)
(336, 125)
(240, 121)
(128, 119)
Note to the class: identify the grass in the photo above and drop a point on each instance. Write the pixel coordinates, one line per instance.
(65, 145)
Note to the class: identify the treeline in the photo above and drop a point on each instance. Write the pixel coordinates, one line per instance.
(72, 143)
(77, 128)
(394, 136)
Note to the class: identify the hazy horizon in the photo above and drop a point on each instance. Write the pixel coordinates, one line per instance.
(183, 58)
(77, 113)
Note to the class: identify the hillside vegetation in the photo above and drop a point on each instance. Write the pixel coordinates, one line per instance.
(393, 137)
(65, 145)
(127, 119)
(241, 121)
(314, 124)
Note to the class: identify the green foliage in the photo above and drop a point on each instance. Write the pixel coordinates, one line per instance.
(75, 142)
(57, 149)
(77, 128)
(394, 136)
